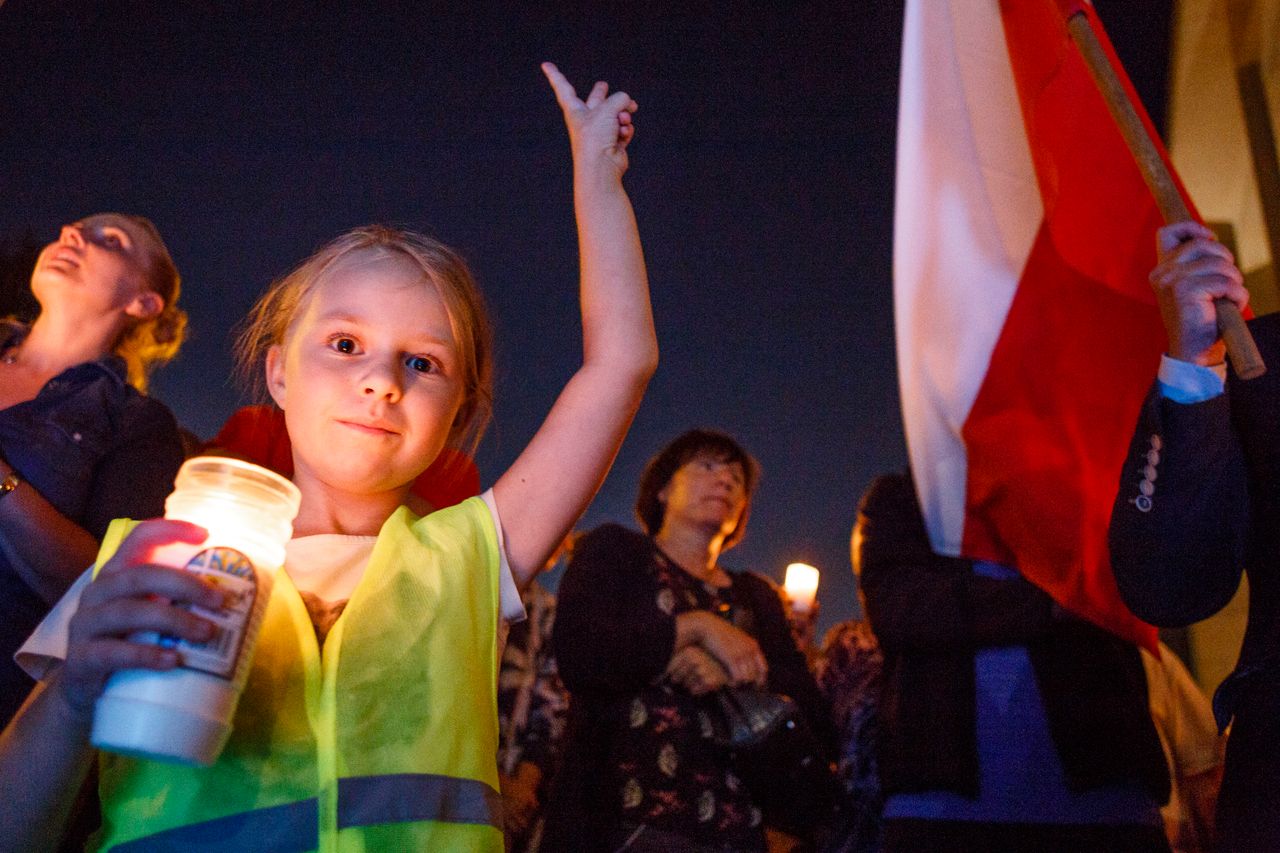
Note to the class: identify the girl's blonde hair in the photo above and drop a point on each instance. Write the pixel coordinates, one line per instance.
(146, 344)
(269, 322)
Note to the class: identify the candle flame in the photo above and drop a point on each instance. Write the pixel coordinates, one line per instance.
(801, 586)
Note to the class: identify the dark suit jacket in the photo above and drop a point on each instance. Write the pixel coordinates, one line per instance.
(1199, 501)
(931, 613)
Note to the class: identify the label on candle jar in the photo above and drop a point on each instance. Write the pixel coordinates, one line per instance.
(233, 573)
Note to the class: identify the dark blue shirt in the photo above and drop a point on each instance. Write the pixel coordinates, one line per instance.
(1021, 778)
(96, 449)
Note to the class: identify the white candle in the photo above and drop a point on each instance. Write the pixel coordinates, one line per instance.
(801, 586)
(185, 714)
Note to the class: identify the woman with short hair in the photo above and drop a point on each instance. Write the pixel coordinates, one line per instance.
(649, 626)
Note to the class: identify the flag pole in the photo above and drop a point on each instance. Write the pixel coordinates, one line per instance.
(1241, 347)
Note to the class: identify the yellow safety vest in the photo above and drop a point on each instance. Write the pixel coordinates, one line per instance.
(386, 741)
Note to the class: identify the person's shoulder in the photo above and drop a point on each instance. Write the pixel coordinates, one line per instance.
(145, 411)
(756, 582)
(611, 536)
(896, 486)
(471, 512)
(465, 531)
(892, 496)
(612, 547)
(605, 560)
(760, 592)
(132, 415)
(152, 406)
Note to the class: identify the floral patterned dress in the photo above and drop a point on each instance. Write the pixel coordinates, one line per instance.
(667, 771)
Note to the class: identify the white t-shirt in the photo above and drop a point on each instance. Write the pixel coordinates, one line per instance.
(327, 566)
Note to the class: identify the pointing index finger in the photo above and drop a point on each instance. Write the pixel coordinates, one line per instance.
(563, 89)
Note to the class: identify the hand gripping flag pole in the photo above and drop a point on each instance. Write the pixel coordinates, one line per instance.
(1241, 349)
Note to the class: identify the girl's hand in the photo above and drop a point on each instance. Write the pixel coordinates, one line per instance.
(132, 594)
(735, 649)
(1193, 270)
(696, 671)
(599, 127)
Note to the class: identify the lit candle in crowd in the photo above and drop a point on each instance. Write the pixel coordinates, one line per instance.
(801, 586)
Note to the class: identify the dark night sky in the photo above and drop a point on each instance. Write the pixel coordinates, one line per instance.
(762, 176)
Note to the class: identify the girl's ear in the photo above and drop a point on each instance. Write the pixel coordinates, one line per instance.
(274, 369)
(145, 305)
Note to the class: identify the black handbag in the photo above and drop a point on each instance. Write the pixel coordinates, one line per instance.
(744, 717)
(788, 776)
(773, 750)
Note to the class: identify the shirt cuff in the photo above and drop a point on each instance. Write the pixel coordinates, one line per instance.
(1186, 382)
(46, 648)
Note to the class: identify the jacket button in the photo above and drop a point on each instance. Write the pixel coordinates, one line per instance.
(1149, 472)
(1156, 443)
(1153, 457)
(1147, 487)
(1143, 503)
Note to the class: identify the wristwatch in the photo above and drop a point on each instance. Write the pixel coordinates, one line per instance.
(9, 483)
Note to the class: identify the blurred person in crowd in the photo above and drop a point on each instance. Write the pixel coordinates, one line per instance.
(80, 441)
(532, 705)
(1197, 505)
(1008, 724)
(1192, 749)
(850, 671)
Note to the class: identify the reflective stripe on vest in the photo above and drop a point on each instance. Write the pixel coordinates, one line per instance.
(362, 801)
(402, 797)
(291, 828)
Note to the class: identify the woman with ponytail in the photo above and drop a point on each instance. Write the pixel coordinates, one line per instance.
(80, 442)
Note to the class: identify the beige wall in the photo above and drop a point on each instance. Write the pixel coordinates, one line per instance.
(1207, 137)
(1210, 149)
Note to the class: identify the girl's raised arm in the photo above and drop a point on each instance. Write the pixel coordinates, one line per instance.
(549, 486)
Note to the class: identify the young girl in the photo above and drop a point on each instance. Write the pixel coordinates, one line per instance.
(384, 737)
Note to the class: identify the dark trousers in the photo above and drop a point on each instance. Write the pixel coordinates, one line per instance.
(1248, 818)
(957, 836)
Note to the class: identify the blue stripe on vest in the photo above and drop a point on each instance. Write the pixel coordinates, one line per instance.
(403, 797)
(291, 828)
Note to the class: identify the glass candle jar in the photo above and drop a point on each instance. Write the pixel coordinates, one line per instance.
(185, 714)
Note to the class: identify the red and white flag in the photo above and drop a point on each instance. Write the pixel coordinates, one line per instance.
(1027, 333)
